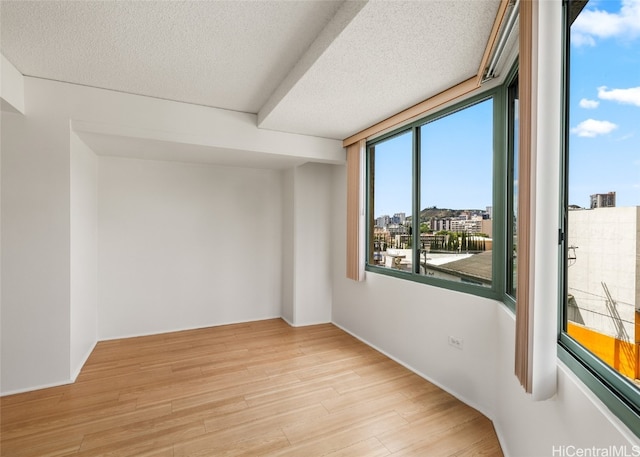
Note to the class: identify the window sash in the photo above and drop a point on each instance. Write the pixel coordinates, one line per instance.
(496, 291)
(511, 232)
(616, 392)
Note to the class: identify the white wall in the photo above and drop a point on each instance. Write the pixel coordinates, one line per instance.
(288, 243)
(411, 322)
(11, 87)
(312, 226)
(84, 253)
(184, 246)
(38, 344)
(35, 244)
(307, 245)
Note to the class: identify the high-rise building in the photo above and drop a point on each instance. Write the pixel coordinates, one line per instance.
(399, 218)
(383, 221)
(603, 200)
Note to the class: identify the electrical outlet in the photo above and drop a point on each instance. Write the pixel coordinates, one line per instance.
(456, 342)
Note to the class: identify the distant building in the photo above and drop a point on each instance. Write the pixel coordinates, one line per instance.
(438, 225)
(399, 218)
(383, 221)
(398, 229)
(464, 224)
(603, 200)
(487, 227)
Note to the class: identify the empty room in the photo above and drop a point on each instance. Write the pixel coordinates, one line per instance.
(319, 228)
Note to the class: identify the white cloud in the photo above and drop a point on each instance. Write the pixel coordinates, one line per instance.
(589, 104)
(579, 39)
(595, 23)
(629, 96)
(592, 128)
(626, 137)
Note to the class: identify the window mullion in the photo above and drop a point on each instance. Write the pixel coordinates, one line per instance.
(415, 220)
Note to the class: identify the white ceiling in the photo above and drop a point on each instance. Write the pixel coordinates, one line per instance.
(322, 68)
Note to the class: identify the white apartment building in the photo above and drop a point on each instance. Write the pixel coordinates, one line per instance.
(467, 225)
(604, 269)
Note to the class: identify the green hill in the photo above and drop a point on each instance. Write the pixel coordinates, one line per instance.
(439, 213)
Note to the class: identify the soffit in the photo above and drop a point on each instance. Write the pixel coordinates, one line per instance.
(145, 148)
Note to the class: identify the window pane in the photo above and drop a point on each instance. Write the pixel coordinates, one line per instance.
(456, 192)
(512, 190)
(603, 239)
(390, 180)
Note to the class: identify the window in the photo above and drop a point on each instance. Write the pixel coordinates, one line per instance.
(390, 170)
(512, 189)
(431, 195)
(600, 335)
(456, 196)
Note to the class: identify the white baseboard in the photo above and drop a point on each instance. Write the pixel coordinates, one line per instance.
(305, 324)
(38, 387)
(76, 373)
(183, 329)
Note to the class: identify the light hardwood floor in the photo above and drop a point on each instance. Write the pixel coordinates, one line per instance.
(257, 389)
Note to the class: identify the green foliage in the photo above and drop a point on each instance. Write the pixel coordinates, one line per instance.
(445, 240)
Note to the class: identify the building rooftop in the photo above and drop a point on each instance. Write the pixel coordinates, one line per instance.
(477, 267)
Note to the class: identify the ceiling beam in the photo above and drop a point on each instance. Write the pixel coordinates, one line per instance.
(343, 17)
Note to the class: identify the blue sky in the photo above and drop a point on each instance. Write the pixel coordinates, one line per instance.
(605, 103)
(456, 164)
(604, 127)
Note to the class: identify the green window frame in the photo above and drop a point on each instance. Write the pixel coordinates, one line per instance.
(616, 392)
(499, 201)
(511, 279)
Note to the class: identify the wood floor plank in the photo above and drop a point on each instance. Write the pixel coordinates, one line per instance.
(261, 444)
(370, 448)
(336, 440)
(47, 445)
(254, 389)
(162, 431)
(466, 435)
(279, 415)
(329, 425)
(95, 417)
(429, 427)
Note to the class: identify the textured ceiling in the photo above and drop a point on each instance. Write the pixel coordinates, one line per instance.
(228, 55)
(391, 56)
(323, 68)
